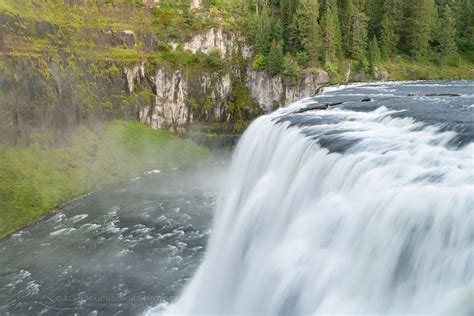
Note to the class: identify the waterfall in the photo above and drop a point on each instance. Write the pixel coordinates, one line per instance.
(357, 212)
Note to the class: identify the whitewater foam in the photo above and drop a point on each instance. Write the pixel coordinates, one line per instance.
(385, 226)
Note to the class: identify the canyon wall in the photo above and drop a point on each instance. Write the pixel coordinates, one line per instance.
(55, 75)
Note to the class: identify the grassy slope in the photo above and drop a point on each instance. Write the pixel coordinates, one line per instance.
(404, 69)
(33, 181)
(79, 24)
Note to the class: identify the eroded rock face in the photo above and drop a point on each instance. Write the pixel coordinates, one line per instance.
(170, 109)
(209, 41)
(266, 90)
(272, 91)
(173, 93)
(174, 90)
(134, 73)
(213, 40)
(308, 85)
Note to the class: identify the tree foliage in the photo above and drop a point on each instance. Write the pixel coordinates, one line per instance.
(307, 14)
(326, 32)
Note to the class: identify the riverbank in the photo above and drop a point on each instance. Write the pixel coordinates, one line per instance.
(35, 180)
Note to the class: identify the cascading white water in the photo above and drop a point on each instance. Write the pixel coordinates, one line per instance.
(384, 227)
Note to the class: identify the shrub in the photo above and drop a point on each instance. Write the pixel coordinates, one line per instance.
(302, 59)
(453, 60)
(331, 69)
(362, 64)
(260, 62)
(275, 58)
(291, 69)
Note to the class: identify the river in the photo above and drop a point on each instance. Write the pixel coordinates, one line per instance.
(115, 251)
(364, 208)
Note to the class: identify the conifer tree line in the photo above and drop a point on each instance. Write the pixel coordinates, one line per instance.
(320, 33)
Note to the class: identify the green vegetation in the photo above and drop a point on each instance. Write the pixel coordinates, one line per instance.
(35, 180)
(46, 28)
(404, 69)
(373, 35)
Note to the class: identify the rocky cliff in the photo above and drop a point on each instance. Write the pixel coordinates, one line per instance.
(272, 92)
(136, 62)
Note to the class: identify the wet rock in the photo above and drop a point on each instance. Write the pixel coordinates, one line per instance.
(318, 106)
(366, 99)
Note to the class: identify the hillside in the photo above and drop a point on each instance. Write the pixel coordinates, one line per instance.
(204, 66)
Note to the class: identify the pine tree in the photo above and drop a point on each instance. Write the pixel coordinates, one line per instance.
(275, 58)
(358, 33)
(354, 27)
(293, 41)
(263, 32)
(332, 49)
(373, 54)
(287, 9)
(390, 27)
(419, 26)
(344, 10)
(466, 17)
(291, 69)
(447, 33)
(374, 14)
(308, 28)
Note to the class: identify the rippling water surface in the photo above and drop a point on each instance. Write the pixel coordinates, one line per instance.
(118, 250)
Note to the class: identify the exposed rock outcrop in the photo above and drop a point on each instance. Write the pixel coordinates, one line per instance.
(134, 73)
(216, 39)
(125, 38)
(266, 90)
(196, 4)
(150, 3)
(210, 41)
(174, 91)
(307, 86)
(270, 92)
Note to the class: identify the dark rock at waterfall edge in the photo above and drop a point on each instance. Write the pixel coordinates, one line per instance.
(318, 106)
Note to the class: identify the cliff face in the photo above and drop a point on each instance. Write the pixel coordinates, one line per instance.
(170, 108)
(272, 92)
(58, 72)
